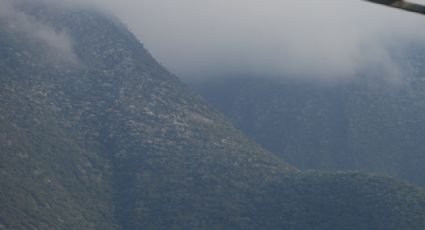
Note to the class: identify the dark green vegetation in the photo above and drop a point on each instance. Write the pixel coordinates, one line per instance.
(108, 139)
(367, 123)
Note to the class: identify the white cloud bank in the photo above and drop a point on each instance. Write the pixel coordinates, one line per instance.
(325, 38)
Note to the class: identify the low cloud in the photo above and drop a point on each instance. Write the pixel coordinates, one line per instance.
(318, 38)
(57, 44)
(329, 39)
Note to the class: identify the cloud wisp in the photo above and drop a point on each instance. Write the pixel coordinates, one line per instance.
(328, 39)
(57, 45)
(319, 38)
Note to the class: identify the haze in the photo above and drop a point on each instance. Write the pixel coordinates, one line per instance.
(318, 38)
(327, 38)
(56, 45)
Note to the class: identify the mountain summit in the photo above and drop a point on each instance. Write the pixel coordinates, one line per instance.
(95, 134)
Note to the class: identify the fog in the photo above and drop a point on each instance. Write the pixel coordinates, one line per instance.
(57, 45)
(328, 39)
(319, 38)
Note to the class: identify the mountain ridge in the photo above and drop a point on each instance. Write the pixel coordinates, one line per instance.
(366, 124)
(115, 141)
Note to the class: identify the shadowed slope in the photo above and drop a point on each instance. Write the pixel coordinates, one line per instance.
(114, 141)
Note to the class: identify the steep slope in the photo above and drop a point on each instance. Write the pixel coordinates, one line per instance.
(367, 123)
(96, 135)
(50, 178)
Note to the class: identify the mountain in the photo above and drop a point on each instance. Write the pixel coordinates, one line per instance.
(369, 122)
(95, 134)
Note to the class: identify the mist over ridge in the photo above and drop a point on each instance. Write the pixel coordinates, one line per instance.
(120, 143)
(327, 39)
(56, 45)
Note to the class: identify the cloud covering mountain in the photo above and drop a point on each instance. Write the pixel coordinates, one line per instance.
(56, 44)
(327, 38)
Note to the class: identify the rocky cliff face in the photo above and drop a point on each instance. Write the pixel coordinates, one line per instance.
(95, 134)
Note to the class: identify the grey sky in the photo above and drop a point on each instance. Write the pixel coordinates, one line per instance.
(325, 38)
(330, 38)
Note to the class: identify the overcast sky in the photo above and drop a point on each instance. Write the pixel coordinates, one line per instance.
(269, 37)
(319, 38)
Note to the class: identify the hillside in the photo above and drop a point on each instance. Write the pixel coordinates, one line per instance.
(365, 123)
(95, 134)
